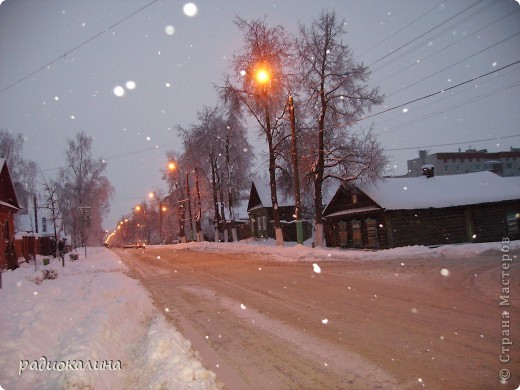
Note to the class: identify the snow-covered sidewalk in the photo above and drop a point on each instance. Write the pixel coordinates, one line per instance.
(92, 327)
(291, 251)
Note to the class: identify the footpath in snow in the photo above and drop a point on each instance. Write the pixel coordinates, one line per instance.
(92, 327)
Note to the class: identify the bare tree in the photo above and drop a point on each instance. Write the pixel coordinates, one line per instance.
(83, 187)
(51, 203)
(260, 68)
(337, 95)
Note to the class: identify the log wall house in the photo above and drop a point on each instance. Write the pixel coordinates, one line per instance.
(260, 210)
(8, 207)
(473, 207)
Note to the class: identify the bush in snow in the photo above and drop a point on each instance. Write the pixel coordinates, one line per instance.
(48, 274)
(73, 256)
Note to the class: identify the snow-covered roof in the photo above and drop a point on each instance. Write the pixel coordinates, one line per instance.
(2, 203)
(354, 211)
(264, 192)
(240, 210)
(441, 191)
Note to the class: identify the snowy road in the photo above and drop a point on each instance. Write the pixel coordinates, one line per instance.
(356, 324)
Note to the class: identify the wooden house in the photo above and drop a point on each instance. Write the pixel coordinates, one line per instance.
(473, 207)
(8, 207)
(260, 209)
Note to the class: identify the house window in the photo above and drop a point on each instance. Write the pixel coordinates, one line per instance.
(44, 225)
(477, 167)
(354, 198)
(356, 234)
(445, 168)
(259, 223)
(264, 222)
(512, 223)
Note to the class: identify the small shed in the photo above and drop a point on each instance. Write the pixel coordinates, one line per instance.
(8, 207)
(472, 207)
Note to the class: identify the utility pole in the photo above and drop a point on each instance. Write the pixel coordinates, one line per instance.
(234, 236)
(189, 205)
(296, 176)
(199, 208)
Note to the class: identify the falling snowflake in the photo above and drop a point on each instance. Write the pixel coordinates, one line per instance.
(405, 110)
(119, 91)
(316, 268)
(325, 321)
(170, 30)
(189, 9)
(445, 272)
(242, 306)
(130, 84)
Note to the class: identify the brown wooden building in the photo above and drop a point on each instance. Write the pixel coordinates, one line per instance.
(473, 207)
(8, 207)
(260, 210)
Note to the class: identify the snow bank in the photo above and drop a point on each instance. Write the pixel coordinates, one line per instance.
(92, 327)
(291, 252)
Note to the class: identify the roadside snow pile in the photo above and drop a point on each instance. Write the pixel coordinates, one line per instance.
(90, 327)
(295, 252)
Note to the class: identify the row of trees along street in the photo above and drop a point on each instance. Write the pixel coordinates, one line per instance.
(311, 78)
(75, 202)
(304, 94)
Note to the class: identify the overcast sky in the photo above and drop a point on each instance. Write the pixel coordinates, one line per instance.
(167, 60)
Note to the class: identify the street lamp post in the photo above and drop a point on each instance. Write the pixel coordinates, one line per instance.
(296, 175)
(234, 236)
(189, 204)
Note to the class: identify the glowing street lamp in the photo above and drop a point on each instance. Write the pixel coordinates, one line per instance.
(262, 76)
(172, 166)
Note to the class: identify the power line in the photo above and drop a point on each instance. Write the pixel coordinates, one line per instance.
(439, 92)
(451, 66)
(446, 47)
(423, 34)
(401, 29)
(442, 111)
(453, 94)
(64, 55)
(454, 143)
(440, 33)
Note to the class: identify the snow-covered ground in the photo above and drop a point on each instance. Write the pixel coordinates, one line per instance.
(294, 252)
(94, 315)
(91, 314)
